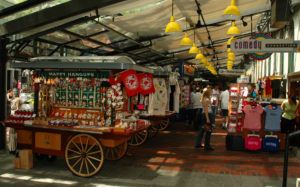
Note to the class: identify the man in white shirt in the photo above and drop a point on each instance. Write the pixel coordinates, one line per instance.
(224, 97)
(197, 107)
(215, 102)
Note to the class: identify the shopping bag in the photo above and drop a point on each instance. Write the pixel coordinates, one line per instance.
(234, 143)
(271, 144)
(253, 143)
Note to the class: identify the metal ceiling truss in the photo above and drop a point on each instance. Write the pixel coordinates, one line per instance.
(19, 7)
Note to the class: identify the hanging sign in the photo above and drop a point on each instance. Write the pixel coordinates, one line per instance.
(72, 74)
(233, 72)
(254, 46)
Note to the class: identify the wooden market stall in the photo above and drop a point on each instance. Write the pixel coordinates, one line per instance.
(83, 112)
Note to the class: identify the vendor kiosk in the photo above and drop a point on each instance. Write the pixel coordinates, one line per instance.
(83, 110)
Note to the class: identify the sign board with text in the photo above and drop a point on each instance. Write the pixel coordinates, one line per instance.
(232, 72)
(262, 46)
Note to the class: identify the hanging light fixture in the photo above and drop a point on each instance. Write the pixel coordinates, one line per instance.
(199, 56)
(172, 27)
(231, 56)
(232, 12)
(186, 40)
(194, 49)
(229, 43)
(233, 30)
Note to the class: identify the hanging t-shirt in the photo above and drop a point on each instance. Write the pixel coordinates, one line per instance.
(158, 99)
(146, 83)
(268, 87)
(131, 82)
(215, 97)
(273, 117)
(252, 119)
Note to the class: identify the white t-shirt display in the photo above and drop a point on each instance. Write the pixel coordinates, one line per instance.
(224, 97)
(158, 99)
(215, 97)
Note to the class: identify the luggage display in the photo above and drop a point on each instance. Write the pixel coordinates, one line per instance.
(234, 143)
(270, 143)
(253, 142)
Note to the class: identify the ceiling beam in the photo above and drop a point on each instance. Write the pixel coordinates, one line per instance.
(19, 7)
(51, 15)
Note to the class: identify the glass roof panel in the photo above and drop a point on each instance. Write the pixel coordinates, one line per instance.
(57, 37)
(80, 44)
(108, 37)
(9, 3)
(86, 28)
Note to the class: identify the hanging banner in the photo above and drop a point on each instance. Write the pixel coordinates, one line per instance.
(72, 74)
(131, 82)
(146, 83)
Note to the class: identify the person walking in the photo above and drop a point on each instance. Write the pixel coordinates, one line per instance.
(224, 97)
(10, 98)
(288, 118)
(215, 99)
(206, 126)
(197, 107)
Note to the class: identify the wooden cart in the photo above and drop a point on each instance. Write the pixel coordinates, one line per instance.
(84, 149)
(158, 123)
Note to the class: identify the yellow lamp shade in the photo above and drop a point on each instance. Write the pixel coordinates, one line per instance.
(232, 12)
(194, 49)
(199, 56)
(231, 56)
(186, 40)
(233, 30)
(172, 26)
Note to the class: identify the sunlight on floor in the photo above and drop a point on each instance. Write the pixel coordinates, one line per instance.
(40, 180)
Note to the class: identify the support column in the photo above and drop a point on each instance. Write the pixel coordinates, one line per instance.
(3, 62)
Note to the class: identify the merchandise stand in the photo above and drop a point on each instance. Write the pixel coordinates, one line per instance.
(158, 122)
(85, 134)
(236, 115)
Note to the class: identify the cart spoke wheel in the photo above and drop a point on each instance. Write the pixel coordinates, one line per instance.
(115, 153)
(152, 132)
(84, 155)
(164, 123)
(138, 138)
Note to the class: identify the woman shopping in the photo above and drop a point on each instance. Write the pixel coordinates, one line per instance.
(288, 120)
(207, 116)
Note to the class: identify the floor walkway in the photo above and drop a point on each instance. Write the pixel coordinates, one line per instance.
(169, 159)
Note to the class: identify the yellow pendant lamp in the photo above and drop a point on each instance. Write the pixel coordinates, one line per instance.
(233, 30)
(232, 12)
(186, 40)
(172, 27)
(199, 56)
(194, 49)
(231, 56)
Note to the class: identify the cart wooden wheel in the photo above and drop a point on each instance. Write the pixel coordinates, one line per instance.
(152, 131)
(138, 138)
(163, 124)
(84, 155)
(116, 153)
